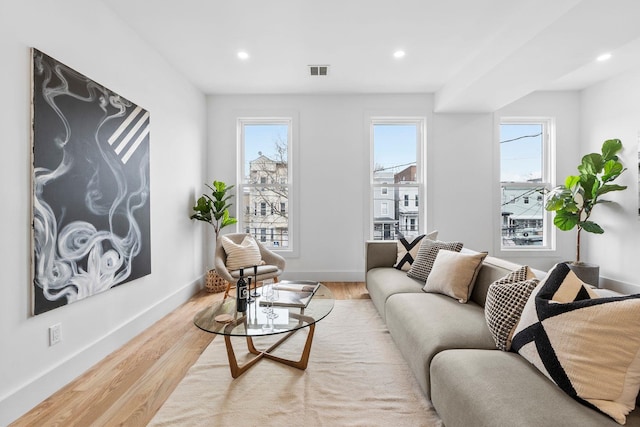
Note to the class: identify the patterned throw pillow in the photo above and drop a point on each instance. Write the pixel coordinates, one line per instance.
(427, 253)
(589, 346)
(407, 251)
(245, 254)
(506, 299)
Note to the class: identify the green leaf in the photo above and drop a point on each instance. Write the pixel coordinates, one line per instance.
(565, 220)
(571, 181)
(591, 227)
(591, 164)
(607, 188)
(612, 169)
(610, 148)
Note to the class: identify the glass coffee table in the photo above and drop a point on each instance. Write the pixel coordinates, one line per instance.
(254, 323)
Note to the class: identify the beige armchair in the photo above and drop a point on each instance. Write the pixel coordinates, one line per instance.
(273, 267)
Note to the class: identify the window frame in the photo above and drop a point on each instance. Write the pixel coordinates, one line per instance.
(421, 166)
(290, 120)
(548, 181)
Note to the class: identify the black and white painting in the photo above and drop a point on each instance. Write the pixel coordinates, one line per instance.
(91, 228)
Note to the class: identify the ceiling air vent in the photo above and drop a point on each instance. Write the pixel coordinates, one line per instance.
(318, 70)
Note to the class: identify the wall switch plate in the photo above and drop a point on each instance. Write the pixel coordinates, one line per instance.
(55, 335)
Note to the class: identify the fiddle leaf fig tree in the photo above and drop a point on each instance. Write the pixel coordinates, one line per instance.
(574, 201)
(214, 209)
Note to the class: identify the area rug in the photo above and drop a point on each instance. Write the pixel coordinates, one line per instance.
(356, 377)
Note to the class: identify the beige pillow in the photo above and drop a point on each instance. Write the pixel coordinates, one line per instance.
(454, 274)
(245, 254)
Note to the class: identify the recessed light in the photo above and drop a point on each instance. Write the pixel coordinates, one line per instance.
(243, 55)
(603, 57)
(398, 54)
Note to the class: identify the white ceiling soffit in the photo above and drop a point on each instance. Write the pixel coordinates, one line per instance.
(554, 57)
(476, 56)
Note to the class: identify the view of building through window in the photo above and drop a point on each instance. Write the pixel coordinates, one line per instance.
(395, 179)
(524, 182)
(266, 180)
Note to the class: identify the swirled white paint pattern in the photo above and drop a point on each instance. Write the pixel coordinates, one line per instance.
(78, 260)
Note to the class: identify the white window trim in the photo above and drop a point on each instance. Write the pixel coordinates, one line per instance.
(548, 175)
(291, 119)
(421, 167)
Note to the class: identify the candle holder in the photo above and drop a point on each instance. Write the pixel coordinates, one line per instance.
(255, 292)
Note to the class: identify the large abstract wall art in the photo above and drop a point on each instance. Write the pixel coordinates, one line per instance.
(91, 228)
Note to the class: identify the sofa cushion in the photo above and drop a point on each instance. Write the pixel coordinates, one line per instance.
(408, 250)
(500, 389)
(422, 325)
(588, 345)
(383, 282)
(427, 253)
(506, 299)
(454, 274)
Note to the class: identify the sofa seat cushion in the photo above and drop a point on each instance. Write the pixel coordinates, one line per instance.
(423, 325)
(496, 388)
(382, 282)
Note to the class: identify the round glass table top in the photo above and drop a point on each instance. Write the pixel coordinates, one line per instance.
(254, 321)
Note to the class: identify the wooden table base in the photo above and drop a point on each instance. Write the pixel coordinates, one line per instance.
(237, 370)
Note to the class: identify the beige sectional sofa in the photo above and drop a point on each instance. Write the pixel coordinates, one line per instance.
(453, 356)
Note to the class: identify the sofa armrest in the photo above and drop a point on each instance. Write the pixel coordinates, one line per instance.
(380, 253)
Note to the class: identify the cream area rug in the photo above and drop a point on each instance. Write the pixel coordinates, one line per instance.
(356, 377)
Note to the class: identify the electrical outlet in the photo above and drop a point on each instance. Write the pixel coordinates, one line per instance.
(55, 336)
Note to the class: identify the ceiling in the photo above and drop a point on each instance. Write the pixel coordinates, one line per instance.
(473, 55)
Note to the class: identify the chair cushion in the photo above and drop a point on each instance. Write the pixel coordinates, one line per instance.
(248, 272)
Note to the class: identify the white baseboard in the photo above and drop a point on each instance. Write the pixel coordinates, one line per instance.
(18, 402)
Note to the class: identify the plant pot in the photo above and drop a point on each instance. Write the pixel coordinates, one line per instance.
(215, 283)
(588, 273)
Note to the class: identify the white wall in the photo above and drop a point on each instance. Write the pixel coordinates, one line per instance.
(331, 166)
(85, 35)
(612, 110)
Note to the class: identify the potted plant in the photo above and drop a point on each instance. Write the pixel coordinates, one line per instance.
(574, 201)
(214, 210)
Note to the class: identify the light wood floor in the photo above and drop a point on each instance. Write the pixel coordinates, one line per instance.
(129, 386)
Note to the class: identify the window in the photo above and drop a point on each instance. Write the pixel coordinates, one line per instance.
(265, 179)
(525, 177)
(397, 168)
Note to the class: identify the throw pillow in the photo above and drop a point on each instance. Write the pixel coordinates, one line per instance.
(589, 346)
(427, 253)
(506, 299)
(407, 251)
(245, 254)
(454, 274)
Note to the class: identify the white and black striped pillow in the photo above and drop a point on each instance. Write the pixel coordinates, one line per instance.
(407, 251)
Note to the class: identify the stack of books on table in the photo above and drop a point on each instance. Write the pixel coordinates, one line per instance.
(294, 294)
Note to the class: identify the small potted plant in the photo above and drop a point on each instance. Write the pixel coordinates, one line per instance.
(574, 201)
(214, 210)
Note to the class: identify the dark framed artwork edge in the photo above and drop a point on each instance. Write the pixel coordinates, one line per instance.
(90, 186)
